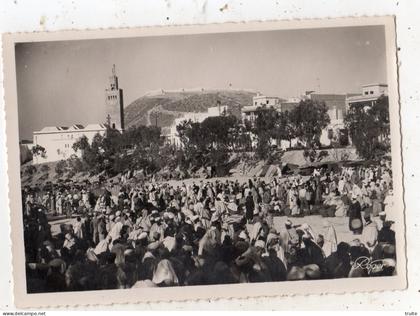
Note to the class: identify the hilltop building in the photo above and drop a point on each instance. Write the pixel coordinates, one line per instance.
(58, 140)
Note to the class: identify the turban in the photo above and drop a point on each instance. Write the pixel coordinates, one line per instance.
(165, 274)
(312, 271)
(260, 243)
(296, 273)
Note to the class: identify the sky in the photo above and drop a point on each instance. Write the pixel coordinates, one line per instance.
(62, 83)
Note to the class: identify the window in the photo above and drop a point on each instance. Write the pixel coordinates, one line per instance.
(267, 101)
(255, 102)
(371, 92)
(58, 151)
(366, 92)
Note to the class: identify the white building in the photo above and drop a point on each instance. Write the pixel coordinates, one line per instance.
(195, 117)
(263, 100)
(58, 140)
(370, 94)
(259, 101)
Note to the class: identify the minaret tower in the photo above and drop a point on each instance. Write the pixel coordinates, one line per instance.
(114, 103)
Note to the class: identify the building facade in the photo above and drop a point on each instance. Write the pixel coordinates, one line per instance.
(249, 112)
(58, 141)
(370, 94)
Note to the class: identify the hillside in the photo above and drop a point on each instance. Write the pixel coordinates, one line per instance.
(173, 104)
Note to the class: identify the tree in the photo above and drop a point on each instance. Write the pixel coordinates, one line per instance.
(38, 150)
(308, 119)
(45, 168)
(369, 129)
(284, 129)
(265, 128)
(60, 167)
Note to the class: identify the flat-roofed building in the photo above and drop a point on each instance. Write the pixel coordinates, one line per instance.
(58, 140)
(370, 94)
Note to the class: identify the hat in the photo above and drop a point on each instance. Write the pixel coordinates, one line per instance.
(382, 213)
(48, 243)
(118, 213)
(91, 255)
(214, 217)
(312, 271)
(128, 252)
(296, 273)
(143, 235)
(288, 222)
(389, 249)
(306, 236)
(153, 245)
(355, 243)
(388, 262)
(111, 217)
(388, 223)
(255, 211)
(233, 207)
(305, 226)
(260, 243)
(58, 263)
(243, 235)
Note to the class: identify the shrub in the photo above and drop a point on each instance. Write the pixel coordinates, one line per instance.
(45, 168)
(60, 167)
(30, 170)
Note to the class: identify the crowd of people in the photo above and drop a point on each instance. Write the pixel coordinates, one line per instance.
(210, 232)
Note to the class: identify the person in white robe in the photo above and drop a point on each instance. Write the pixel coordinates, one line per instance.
(330, 238)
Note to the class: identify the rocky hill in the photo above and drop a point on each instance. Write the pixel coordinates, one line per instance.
(172, 104)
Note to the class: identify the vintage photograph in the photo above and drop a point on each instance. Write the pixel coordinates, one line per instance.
(213, 158)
